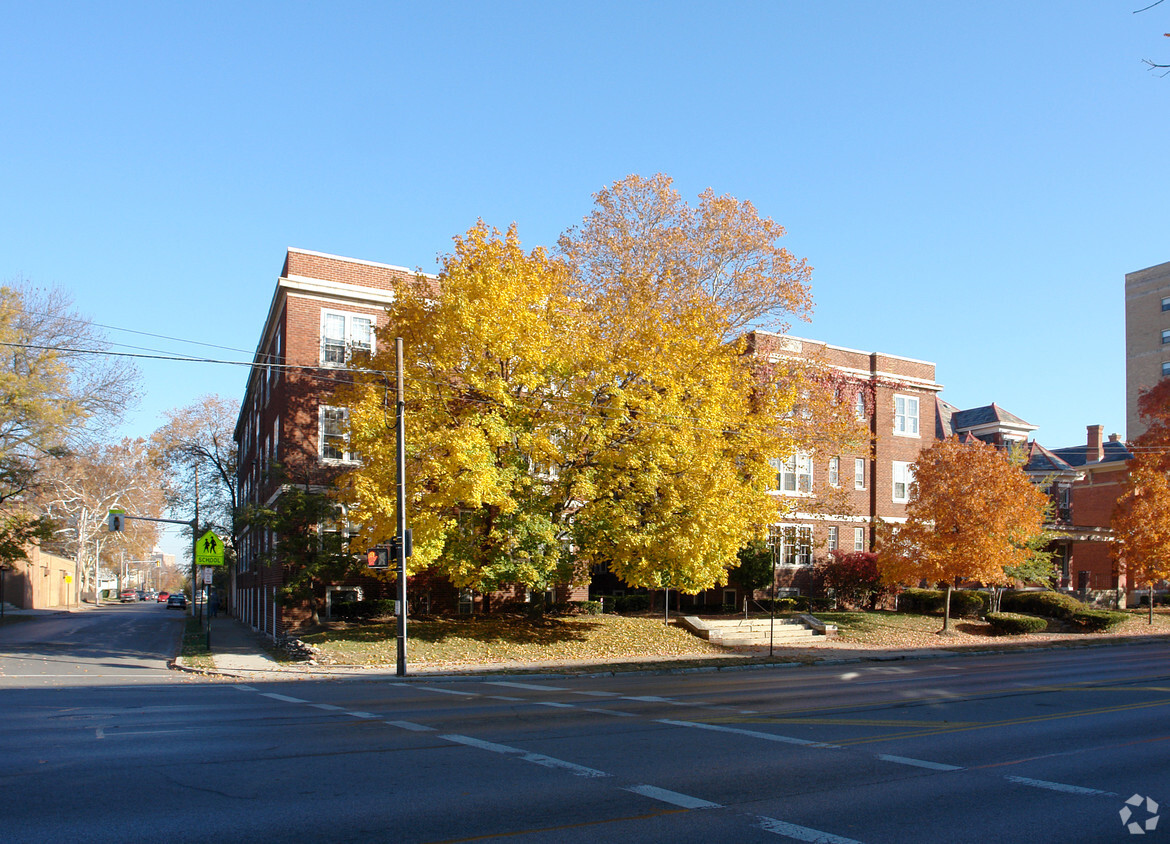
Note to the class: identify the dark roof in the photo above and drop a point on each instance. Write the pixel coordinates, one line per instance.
(1043, 461)
(1076, 455)
(985, 415)
(943, 429)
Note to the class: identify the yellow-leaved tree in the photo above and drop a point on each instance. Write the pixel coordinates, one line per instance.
(972, 514)
(595, 402)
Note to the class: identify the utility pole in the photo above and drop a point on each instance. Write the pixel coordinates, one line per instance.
(400, 442)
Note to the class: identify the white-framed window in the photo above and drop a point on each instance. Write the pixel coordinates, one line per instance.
(903, 477)
(1166, 303)
(334, 435)
(906, 416)
(793, 544)
(834, 538)
(859, 473)
(859, 539)
(793, 474)
(1165, 368)
(834, 471)
(859, 405)
(1165, 336)
(343, 334)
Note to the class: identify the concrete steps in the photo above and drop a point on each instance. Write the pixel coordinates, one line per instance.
(754, 632)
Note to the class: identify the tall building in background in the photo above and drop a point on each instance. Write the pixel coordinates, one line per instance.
(1147, 337)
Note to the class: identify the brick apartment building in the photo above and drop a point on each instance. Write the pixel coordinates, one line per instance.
(325, 309)
(897, 399)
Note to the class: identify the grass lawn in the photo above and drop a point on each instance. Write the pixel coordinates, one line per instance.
(488, 639)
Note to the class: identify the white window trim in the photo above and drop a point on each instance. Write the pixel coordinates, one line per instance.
(348, 317)
(859, 477)
(859, 539)
(916, 426)
(797, 466)
(901, 469)
(834, 472)
(834, 540)
(776, 540)
(348, 457)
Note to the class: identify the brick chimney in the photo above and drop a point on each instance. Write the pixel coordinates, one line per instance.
(1095, 451)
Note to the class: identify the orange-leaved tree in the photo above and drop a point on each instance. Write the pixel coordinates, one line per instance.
(1141, 518)
(971, 514)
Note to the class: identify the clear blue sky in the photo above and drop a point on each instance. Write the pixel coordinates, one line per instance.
(971, 181)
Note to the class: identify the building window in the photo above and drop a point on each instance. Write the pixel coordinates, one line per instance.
(859, 473)
(1166, 303)
(859, 405)
(342, 335)
(1165, 336)
(1165, 368)
(793, 474)
(834, 539)
(334, 439)
(859, 539)
(903, 477)
(906, 416)
(834, 471)
(793, 543)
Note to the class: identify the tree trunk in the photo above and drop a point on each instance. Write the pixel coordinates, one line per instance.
(1151, 602)
(947, 609)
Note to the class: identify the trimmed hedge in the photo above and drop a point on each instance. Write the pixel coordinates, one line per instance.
(965, 603)
(1015, 624)
(1047, 604)
(1097, 621)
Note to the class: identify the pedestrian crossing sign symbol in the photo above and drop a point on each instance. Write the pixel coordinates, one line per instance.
(209, 550)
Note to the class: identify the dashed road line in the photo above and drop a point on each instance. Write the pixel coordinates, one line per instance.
(360, 714)
(918, 763)
(328, 707)
(537, 758)
(410, 725)
(699, 725)
(801, 833)
(1059, 786)
(448, 691)
(538, 687)
(674, 798)
(284, 698)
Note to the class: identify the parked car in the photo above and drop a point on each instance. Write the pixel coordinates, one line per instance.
(141, 595)
(128, 595)
(177, 600)
(162, 597)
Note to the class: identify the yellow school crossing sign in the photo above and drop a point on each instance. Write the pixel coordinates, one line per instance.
(209, 550)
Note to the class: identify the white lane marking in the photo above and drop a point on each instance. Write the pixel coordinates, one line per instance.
(919, 763)
(651, 699)
(328, 707)
(536, 686)
(554, 704)
(617, 712)
(361, 714)
(801, 833)
(447, 691)
(504, 697)
(410, 725)
(100, 733)
(243, 688)
(598, 694)
(537, 758)
(1059, 786)
(752, 733)
(285, 698)
(684, 801)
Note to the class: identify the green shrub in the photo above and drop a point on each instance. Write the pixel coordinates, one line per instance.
(965, 603)
(1096, 621)
(587, 607)
(1015, 624)
(820, 604)
(786, 604)
(1047, 604)
(631, 603)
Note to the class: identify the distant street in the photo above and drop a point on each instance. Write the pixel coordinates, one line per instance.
(1037, 747)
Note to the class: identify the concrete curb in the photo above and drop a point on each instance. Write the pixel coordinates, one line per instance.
(381, 675)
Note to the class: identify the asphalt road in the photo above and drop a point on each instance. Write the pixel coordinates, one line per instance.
(1031, 747)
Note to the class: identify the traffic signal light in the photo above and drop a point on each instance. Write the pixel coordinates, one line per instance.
(378, 557)
(117, 521)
